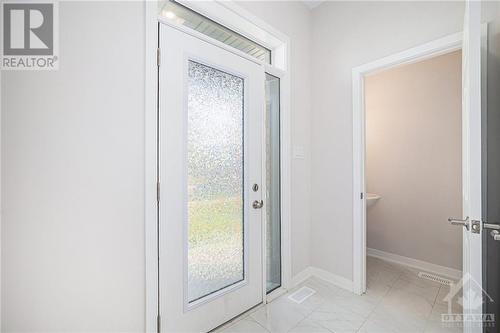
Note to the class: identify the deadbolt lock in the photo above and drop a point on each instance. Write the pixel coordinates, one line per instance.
(475, 226)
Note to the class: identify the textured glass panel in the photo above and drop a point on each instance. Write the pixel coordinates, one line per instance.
(179, 14)
(273, 214)
(215, 180)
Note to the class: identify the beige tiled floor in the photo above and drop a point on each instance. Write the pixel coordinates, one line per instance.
(397, 300)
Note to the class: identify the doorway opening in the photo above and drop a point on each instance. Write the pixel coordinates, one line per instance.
(413, 179)
(387, 143)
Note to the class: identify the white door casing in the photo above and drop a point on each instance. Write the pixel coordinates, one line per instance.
(471, 43)
(177, 314)
(229, 14)
(419, 53)
(471, 156)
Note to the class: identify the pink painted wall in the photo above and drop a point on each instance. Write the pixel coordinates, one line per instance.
(413, 136)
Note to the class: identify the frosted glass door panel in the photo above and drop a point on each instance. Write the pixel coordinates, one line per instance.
(273, 207)
(215, 180)
(211, 107)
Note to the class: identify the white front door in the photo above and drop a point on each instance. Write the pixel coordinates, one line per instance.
(210, 148)
(472, 209)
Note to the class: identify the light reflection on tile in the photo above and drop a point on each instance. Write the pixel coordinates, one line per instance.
(281, 315)
(309, 326)
(246, 325)
(397, 300)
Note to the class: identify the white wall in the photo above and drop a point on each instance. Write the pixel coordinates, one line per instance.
(345, 35)
(293, 19)
(73, 154)
(73, 171)
(414, 159)
(73, 179)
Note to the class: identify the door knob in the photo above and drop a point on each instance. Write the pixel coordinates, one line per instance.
(494, 226)
(495, 234)
(258, 204)
(463, 223)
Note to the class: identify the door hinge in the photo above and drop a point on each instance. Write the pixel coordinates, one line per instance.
(158, 57)
(158, 324)
(361, 195)
(158, 191)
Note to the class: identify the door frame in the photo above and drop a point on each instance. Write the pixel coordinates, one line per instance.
(236, 18)
(428, 50)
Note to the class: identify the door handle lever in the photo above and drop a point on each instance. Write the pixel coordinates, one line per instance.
(493, 226)
(495, 234)
(463, 223)
(258, 204)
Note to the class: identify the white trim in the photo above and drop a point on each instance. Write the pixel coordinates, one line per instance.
(238, 19)
(437, 47)
(208, 39)
(230, 14)
(285, 173)
(275, 294)
(415, 263)
(428, 50)
(263, 191)
(309, 272)
(337, 280)
(302, 276)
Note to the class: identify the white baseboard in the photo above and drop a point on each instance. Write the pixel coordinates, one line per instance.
(319, 273)
(347, 284)
(301, 277)
(415, 263)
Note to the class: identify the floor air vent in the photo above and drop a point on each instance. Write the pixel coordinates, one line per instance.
(435, 278)
(302, 294)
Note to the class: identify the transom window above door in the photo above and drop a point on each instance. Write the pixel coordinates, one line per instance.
(184, 16)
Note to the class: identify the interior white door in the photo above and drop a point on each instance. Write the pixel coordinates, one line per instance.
(210, 229)
(471, 133)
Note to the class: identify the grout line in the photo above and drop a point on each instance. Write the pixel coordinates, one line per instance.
(237, 319)
(299, 322)
(435, 298)
(380, 301)
(316, 322)
(427, 319)
(260, 324)
(309, 315)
